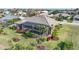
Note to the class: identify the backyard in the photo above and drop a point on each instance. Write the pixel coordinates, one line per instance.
(70, 33)
(10, 39)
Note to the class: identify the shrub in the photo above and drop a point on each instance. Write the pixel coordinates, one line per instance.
(62, 45)
(15, 39)
(65, 45)
(1, 30)
(19, 46)
(12, 27)
(33, 44)
(4, 33)
(57, 28)
(56, 48)
(70, 19)
(29, 47)
(41, 47)
(40, 40)
(29, 34)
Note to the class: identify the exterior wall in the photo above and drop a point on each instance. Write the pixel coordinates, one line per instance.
(49, 31)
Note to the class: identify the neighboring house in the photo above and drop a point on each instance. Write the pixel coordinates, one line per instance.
(22, 18)
(7, 18)
(76, 19)
(44, 13)
(62, 14)
(71, 12)
(6, 12)
(51, 15)
(65, 15)
(37, 24)
(1, 15)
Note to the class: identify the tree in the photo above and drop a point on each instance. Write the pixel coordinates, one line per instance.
(70, 19)
(55, 12)
(31, 12)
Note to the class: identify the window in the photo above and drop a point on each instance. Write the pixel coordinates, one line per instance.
(36, 27)
(27, 26)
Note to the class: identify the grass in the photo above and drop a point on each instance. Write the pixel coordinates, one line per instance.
(74, 36)
(11, 34)
(66, 33)
(70, 33)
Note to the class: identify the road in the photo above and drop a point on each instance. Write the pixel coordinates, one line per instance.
(73, 23)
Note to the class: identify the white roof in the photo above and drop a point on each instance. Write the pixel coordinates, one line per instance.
(22, 18)
(8, 17)
(65, 15)
(40, 20)
(45, 12)
(76, 16)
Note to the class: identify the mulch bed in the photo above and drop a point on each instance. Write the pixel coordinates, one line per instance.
(15, 39)
(51, 37)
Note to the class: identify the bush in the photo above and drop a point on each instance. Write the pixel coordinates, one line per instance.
(70, 19)
(4, 33)
(41, 47)
(29, 34)
(65, 45)
(57, 28)
(40, 40)
(12, 27)
(20, 46)
(29, 47)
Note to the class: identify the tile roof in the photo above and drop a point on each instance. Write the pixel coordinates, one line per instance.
(40, 20)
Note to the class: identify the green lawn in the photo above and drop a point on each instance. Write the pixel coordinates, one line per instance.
(70, 33)
(4, 39)
(66, 33)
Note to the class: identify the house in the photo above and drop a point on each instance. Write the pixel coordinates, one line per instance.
(62, 14)
(44, 13)
(65, 14)
(7, 18)
(76, 19)
(21, 13)
(37, 24)
(51, 15)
